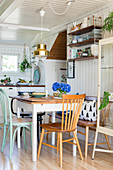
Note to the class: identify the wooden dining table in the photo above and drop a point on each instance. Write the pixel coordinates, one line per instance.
(44, 104)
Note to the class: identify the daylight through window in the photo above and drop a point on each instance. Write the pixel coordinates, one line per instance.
(9, 63)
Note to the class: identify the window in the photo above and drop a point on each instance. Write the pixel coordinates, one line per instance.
(9, 63)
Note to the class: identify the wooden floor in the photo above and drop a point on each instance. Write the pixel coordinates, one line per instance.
(49, 160)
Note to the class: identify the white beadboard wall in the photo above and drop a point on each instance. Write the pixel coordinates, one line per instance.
(49, 68)
(52, 71)
(85, 80)
(12, 49)
(52, 67)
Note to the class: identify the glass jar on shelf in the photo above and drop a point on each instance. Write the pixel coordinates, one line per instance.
(90, 21)
(97, 21)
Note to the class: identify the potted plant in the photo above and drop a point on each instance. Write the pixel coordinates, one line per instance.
(6, 80)
(61, 88)
(23, 81)
(108, 23)
(105, 100)
(25, 64)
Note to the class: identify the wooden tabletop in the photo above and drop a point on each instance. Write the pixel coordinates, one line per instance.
(16, 85)
(33, 100)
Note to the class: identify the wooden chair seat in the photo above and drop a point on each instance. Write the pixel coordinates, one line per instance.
(68, 123)
(21, 120)
(86, 123)
(10, 122)
(28, 114)
(56, 127)
(52, 126)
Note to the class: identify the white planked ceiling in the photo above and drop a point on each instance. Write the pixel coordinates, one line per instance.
(27, 14)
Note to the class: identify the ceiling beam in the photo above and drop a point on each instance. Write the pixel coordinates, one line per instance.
(10, 9)
(14, 26)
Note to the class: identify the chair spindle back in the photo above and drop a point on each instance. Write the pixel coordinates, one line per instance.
(73, 105)
(5, 104)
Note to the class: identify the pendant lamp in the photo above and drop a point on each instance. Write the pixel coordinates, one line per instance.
(41, 48)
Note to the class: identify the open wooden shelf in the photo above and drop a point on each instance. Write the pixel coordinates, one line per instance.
(63, 69)
(87, 42)
(84, 30)
(84, 58)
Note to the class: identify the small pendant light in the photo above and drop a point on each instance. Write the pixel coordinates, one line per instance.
(41, 48)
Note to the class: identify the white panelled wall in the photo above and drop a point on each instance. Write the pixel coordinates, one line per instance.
(17, 50)
(52, 68)
(49, 68)
(86, 72)
(85, 80)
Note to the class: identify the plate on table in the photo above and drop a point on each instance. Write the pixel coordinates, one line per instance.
(55, 97)
(37, 94)
(24, 93)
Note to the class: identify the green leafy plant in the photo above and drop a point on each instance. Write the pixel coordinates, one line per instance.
(5, 80)
(105, 100)
(108, 22)
(23, 81)
(25, 64)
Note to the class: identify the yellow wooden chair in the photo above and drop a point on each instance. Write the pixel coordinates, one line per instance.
(68, 124)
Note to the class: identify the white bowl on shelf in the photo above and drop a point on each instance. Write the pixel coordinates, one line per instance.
(22, 84)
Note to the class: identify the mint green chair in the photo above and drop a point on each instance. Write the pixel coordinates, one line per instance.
(9, 123)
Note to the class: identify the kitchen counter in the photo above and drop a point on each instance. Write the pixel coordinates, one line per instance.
(14, 89)
(22, 85)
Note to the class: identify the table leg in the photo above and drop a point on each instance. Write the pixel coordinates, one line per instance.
(86, 141)
(18, 132)
(38, 132)
(34, 134)
(53, 134)
(74, 146)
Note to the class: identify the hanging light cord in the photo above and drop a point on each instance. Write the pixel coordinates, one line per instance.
(41, 27)
(57, 12)
(42, 13)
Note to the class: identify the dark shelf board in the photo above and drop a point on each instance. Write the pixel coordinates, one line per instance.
(87, 42)
(63, 69)
(84, 30)
(84, 58)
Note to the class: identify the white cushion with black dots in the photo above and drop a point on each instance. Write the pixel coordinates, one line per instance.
(89, 111)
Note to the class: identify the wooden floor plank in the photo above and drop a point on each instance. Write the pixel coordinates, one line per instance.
(49, 159)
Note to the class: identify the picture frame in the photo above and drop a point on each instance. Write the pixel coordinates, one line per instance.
(71, 69)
